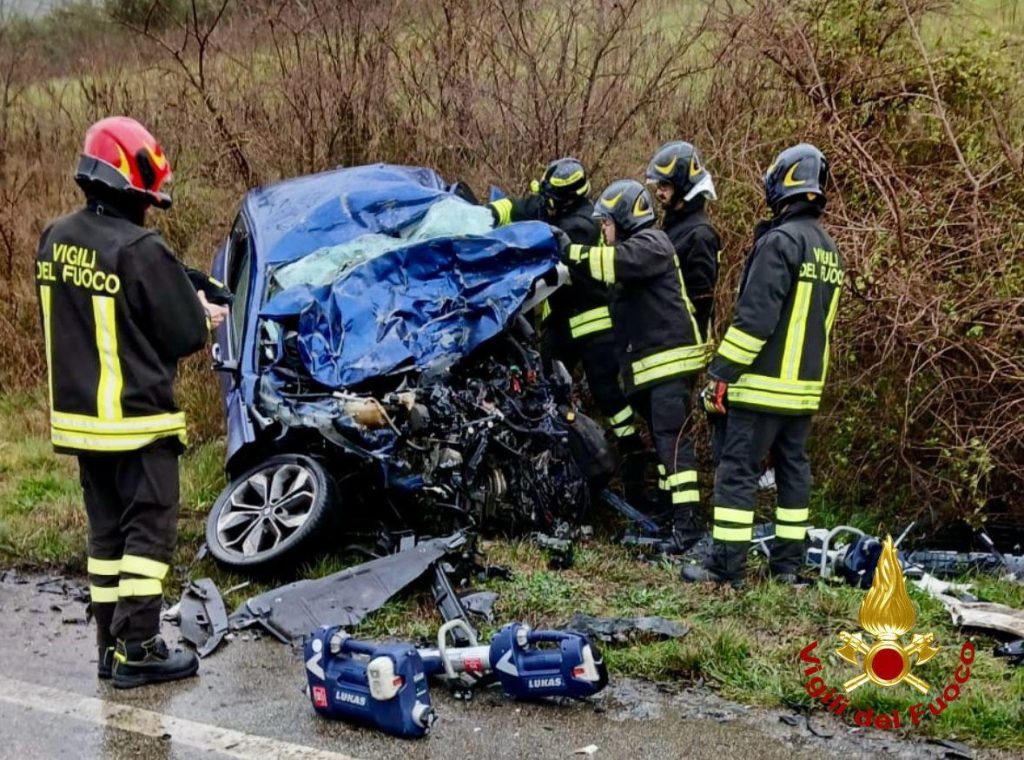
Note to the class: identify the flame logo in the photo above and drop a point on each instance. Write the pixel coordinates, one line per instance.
(887, 613)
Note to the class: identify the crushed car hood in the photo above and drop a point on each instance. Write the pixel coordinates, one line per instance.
(417, 307)
(425, 300)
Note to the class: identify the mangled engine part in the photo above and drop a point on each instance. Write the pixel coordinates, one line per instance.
(379, 685)
(528, 664)
(344, 598)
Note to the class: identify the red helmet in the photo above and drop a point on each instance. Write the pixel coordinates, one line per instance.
(121, 154)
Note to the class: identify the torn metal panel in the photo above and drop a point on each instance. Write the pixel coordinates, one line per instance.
(624, 630)
(344, 598)
(203, 617)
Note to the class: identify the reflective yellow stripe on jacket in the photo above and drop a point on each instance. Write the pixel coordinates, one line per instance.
(589, 322)
(109, 430)
(503, 208)
(670, 363)
(774, 393)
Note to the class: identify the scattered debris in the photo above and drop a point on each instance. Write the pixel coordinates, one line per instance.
(561, 551)
(63, 587)
(480, 603)
(204, 620)
(623, 630)
(954, 750)
(985, 616)
(344, 598)
(1013, 651)
(935, 587)
(950, 564)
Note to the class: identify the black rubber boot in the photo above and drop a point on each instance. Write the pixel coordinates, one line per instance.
(726, 565)
(137, 663)
(103, 614)
(786, 559)
(105, 663)
(686, 529)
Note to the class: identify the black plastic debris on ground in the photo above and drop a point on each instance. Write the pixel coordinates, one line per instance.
(480, 603)
(624, 630)
(204, 619)
(1012, 651)
(63, 587)
(344, 598)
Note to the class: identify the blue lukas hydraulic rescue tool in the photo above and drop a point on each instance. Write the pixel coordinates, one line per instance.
(528, 664)
(378, 685)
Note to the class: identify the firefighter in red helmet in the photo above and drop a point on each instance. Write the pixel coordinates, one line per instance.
(118, 311)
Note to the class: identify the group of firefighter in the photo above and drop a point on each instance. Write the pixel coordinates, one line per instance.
(637, 314)
(119, 311)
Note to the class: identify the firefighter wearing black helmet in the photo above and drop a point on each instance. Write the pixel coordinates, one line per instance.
(682, 186)
(577, 323)
(769, 371)
(659, 343)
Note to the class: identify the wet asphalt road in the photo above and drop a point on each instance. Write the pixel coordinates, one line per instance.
(248, 703)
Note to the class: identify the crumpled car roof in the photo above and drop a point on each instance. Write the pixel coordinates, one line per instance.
(419, 307)
(298, 216)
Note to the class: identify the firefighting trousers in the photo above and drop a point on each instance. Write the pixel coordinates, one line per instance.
(666, 407)
(749, 437)
(599, 356)
(131, 500)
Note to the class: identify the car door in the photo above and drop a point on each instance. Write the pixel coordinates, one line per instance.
(235, 265)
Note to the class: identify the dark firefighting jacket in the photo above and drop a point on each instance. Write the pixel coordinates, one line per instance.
(775, 353)
(655, 329)
(583, 303)
(697, 246)
(118, 312)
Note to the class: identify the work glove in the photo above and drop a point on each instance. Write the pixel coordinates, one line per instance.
(214, 290)
(713, 396)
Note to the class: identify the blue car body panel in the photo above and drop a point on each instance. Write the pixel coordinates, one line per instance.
(419, 307)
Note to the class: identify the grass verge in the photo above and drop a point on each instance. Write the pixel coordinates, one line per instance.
(746, 644)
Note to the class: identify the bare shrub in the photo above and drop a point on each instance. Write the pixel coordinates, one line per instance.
(925, 135)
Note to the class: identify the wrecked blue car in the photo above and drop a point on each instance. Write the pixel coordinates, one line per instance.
(379, 373)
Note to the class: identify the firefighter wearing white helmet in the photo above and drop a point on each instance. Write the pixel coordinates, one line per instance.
(682, 186)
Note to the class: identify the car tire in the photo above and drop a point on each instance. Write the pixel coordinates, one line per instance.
(273, 515)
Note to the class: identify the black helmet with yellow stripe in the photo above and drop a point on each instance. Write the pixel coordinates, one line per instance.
(565, 183)
(679, 164)
(799, 172)
(628, 204)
